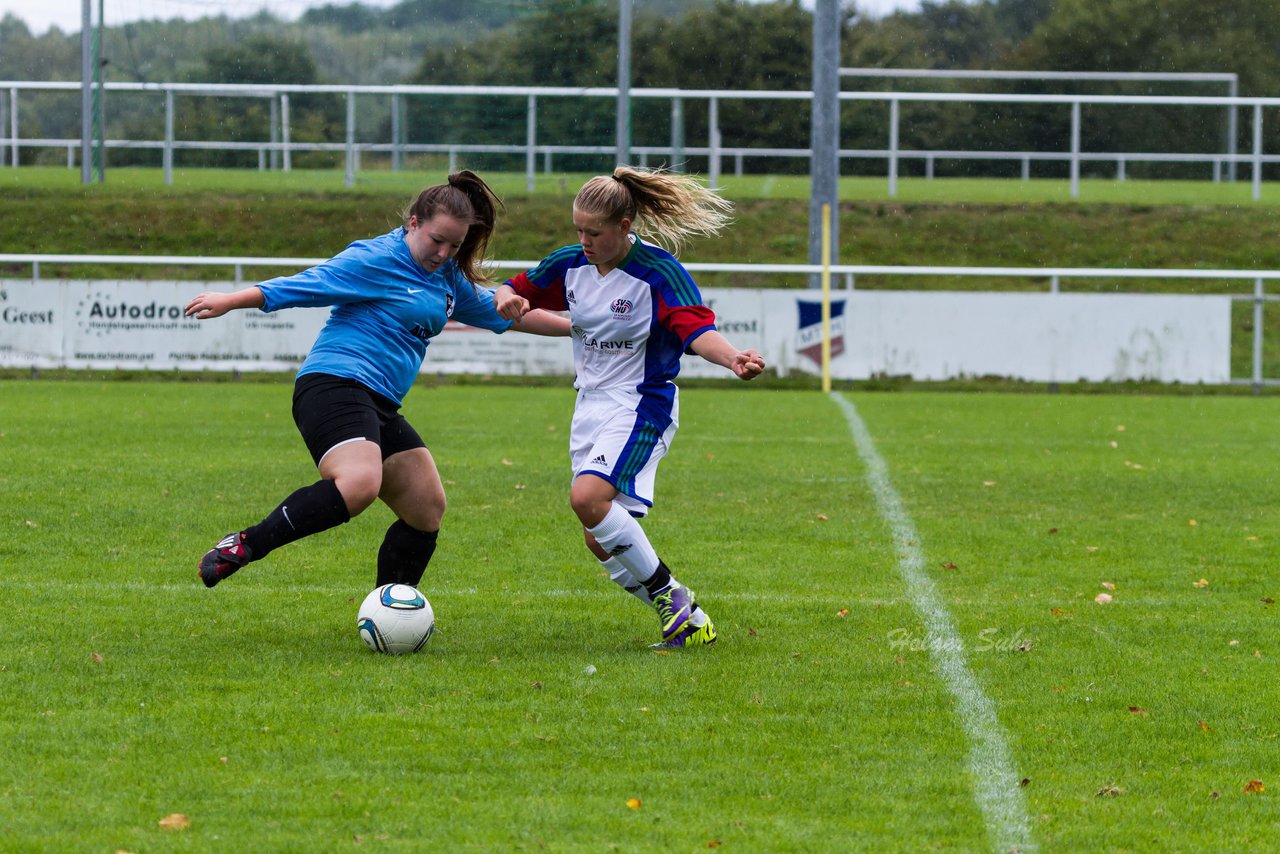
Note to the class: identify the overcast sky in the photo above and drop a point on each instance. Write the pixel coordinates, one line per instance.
(40, 15)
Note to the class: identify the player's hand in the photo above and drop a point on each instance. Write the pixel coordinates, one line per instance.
(747, 364)
(209, 304)
(510, 305)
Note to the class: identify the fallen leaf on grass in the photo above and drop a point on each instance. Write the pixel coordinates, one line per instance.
(713, 843)
(1103, 598)
(1192, 522)
(823, 517)
(843, 612)
(1026, 781)
(97, 658)
(1254, 787)
(1267, 600)
(175, 821)
(633, 803)
(988, 483)
(506, 462)
(949, 565)
(1091, 548)
(1053, 530)
(1204, 582)
(1110, 792)
(1139, 711)
(1204, 726)
(1213, 796)
(1108, 585)
(1057, 612)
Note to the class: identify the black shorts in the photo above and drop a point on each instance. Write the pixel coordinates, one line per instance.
(332, 410)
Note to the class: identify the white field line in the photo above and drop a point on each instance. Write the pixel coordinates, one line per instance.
(996, 783)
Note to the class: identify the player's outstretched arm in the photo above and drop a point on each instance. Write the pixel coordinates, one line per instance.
(539, 322)
(715, 348)
(509, 304)
(215, 303)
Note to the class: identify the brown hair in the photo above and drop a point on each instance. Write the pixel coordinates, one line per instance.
(667, 207)
(466, 198)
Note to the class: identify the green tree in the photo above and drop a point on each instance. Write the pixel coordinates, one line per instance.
(1173, 35)
(260, 58)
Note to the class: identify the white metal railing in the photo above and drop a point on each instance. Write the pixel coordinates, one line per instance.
(849, 272)
(281, 144)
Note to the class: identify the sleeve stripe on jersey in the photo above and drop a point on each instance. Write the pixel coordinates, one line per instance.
(675, 275)
(560, 256)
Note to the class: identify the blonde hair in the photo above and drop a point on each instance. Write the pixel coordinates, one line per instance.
(665, 207)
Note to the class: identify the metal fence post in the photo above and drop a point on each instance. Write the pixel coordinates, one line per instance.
(1233, 112)
(396, 135)
(1075, 149)
(713, 141)
(677, 135)
(351, 139)
(284, 132)
(274, 109)
(1257, 335)
(167, 157)
(13, 126)
(893, 147)
(530, 142)
(1257, 152)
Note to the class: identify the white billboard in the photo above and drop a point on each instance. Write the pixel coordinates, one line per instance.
(931, 335)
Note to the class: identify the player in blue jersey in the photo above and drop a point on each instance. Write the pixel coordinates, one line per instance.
(390, 296)
(635, 311)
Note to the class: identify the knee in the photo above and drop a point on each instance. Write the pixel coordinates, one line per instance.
(429, 515)
(589, 507)
(359, 489)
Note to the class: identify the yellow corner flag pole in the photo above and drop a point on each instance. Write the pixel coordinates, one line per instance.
(826, 298)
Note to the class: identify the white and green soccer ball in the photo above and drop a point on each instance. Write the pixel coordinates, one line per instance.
(395, 619)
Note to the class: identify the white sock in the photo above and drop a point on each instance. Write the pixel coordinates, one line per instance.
(622, 537)
(623, 578)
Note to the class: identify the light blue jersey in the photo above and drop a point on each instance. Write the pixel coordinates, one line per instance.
(386, 308)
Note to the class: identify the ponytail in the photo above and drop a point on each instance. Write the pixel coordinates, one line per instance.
(666, 207)
(468, 199)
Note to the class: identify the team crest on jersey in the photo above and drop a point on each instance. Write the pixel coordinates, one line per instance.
(448, 305)
(621, 306)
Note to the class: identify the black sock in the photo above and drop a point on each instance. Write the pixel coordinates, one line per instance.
(659, 581)
(307, 511)
(404, 554)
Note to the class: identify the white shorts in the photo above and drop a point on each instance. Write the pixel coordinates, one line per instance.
(610, 441)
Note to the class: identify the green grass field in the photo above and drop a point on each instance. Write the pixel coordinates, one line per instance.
(823, 720)
(864, 188)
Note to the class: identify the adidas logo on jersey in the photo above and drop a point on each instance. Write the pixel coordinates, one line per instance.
(570, 298)
(600, 461)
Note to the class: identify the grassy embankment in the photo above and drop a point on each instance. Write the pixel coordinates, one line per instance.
(943, 222)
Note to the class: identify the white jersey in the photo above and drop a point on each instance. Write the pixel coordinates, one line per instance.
(630, 326)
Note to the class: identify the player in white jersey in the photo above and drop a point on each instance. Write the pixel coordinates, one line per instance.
(634, 311)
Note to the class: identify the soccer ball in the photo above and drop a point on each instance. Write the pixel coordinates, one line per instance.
(396, 618)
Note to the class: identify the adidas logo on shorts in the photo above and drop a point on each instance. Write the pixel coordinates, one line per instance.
(600, 461)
